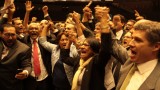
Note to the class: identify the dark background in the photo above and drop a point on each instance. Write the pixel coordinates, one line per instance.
(58, 10)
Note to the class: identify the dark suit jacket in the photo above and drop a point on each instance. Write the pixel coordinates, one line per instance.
(46, 56)
(3, 21)
(18, 57)
(93, 78)
(151, 83)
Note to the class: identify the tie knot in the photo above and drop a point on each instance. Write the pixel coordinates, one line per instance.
(34, 41)
(134, 67)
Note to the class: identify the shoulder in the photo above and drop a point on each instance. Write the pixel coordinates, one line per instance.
(22, 46)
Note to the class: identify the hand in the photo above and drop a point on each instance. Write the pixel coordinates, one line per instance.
(72, 36)
(90, 2)
(29, 6)
(34, 19)
(45, 10)
(22, 75)
(87, 13)
(12, 8)
(105, 15)
(137, 15)
(76, 17)
(45, 28)
(102, 13)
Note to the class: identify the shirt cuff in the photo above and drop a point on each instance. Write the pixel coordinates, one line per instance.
(46, 15)
(26, 72)
(5, 16)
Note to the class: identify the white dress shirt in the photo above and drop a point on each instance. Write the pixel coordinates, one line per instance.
(5, 51)
(43, 73)
(144, 70)
(119, 34)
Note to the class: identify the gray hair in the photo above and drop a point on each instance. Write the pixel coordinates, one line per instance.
(152, 29)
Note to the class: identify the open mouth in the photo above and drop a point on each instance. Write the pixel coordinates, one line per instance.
(83, 52)
(9, 43)
(132, 54)
(64, 45)
(34, 33)
(125, 42)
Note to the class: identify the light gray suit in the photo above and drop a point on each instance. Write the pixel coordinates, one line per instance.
(151, 83)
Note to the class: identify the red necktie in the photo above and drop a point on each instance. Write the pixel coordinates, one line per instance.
(36, 62)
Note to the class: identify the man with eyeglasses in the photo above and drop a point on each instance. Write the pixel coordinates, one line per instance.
(15, 62)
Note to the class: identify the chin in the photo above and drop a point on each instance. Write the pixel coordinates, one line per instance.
(10, 45)
(133, 60)
(83, 57)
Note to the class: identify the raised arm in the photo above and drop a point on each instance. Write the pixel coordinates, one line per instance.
(46, 14)
(87, 18)
(29, 8)
(11, 11)
(76, 19)
(43, 39)
(137, 15)
(104, 54)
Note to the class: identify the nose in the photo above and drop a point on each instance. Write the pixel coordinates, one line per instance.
(10, 37)
(65, 41)
(21, 25)
(34, 29)
(81, 46)
(131, 43)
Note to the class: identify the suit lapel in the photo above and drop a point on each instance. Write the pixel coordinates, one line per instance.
(123, 73)
(12, 50)
(150, 82)
(1, 49)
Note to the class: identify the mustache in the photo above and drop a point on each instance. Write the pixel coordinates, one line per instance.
(9, 41)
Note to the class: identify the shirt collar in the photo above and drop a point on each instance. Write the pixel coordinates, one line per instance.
(33, 40)
(119, 34)
(4, 46)
(147, 66)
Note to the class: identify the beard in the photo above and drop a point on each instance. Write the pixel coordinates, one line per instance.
(9, 43)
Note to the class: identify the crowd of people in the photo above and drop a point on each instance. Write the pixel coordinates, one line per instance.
(87, 51)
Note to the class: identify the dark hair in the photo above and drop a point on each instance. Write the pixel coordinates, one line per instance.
(123, 20)
(131, 20)
(14, 19)
(58, 38)
(94, 44)
(5, 25)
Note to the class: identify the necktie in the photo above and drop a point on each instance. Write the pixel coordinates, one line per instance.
(36, 62)
(127, 79)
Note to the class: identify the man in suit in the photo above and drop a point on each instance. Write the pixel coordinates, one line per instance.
(144, 55)
(14, 56)
(42, 81)
(119, 22)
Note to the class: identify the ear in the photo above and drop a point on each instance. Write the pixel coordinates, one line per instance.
(156, 46)
(123, 24)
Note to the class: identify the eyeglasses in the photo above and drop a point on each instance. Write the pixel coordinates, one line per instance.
(9, 34)
(84, 44)
(36, 28)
